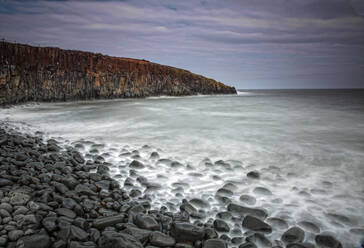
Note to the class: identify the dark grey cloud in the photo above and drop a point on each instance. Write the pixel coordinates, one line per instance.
(248, 43)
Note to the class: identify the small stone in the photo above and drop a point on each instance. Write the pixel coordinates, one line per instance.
(136, 165)
(49, 223)
(183, 232)
(33, 206)
(20, 210)
(327, 241)
(4, 213)
(5, 182)
(146, 222)
(255, 224)
(214, 243)
(161, 240)
(6, 206)
(19, 199)
(253, 174)
(15, 235)
(221, 226)
(66, 212)
(3, 241)
(293, 235)
(36, 240)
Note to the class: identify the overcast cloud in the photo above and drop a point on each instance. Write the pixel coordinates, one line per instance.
(245, 43)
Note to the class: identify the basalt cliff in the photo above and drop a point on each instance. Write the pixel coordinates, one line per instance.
(30, 73)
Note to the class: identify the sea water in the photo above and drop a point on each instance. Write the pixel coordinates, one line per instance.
(307, 145)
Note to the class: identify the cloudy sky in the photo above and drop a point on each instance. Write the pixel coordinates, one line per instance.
(245, 43)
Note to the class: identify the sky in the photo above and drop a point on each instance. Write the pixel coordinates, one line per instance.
(250, 44)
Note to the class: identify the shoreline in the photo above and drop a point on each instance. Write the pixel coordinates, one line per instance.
(52, 195)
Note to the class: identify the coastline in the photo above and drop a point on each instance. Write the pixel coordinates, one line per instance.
(52, 195)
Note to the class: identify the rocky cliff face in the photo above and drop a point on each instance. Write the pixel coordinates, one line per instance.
(51, 74)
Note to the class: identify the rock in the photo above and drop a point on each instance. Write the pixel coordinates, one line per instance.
(140, 234)
(260, 213)
(7, 207)
(259, 240)
(214, 243)
(108, 221)
(250, 200)
(84, 190)
(255, 224)
(224, 192)
(146, 222)
(293, 235)
(309, 226)
(277, 222)
(66, 212)
(300, 245)
(20, 210)
(3, 241)
(15, 235)
(221, 226)
(5, 182)
(72, 233)
(327, 241)
(161, 240)
(248, 245)
(49, 223)
(136, 165)
(183, 232)
(36, 240)
(262, 191)
(253, 174)
(4, 213)
(111, 239)
(19, 199)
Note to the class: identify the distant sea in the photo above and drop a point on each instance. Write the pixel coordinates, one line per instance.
(307, 145)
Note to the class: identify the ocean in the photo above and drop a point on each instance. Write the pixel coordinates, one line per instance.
(307, 146)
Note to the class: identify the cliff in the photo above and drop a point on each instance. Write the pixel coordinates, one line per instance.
(30, 73)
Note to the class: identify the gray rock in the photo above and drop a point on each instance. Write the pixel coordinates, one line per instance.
(66, 212)
(214, 243)
(15, 235)
(253, 174)
(36, 240)
(108, 221)
(33, 206)
(4, 213)
(19, 199)
(241, 210)
(247, 245)
(20, 210)
(140, 234)
(84, 190)
(136, 165)
(327, 241)
(250, 200)
(72, 233)
(161, 240)
(3, 241)
(28, 219)
(146, 222)
(293, 235)
(5, 182)
(49, 223)
(183, 232)
(255, 224)
(6, 206)
(221, 226)
(111, 239)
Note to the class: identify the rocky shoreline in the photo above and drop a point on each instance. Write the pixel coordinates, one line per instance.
(52, 196)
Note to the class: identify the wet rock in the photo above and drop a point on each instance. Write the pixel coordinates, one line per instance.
(293, 235)
(300, 245)
(49, 223)
(183, 232)
(259, 240)
(327, 241)
(140, 234)
(108, 221)
(262, 191)
(110, 239)
(84, 190)
(260, 213)
(161, 240)
(214, 243)
(309, 226)
(19, 199)
(277, 222)
(224, 192)
(199, 203)
(36, 240)
(146, 222)
(247, 199)
(248, 245)
(14, 235)
(66, 212)
(221, 226)
(7, 207)
(224, 215)
(72, 233)
(135, 164)
(253, 174)
(255, 224)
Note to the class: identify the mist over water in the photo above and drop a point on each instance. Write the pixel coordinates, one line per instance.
(308, 147)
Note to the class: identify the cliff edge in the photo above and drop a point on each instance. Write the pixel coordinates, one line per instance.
(30, 73)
